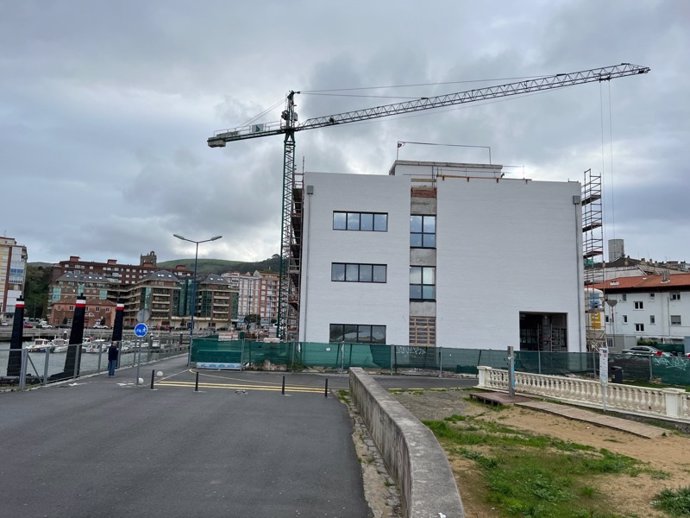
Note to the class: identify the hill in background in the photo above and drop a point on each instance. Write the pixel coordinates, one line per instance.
(219, 266)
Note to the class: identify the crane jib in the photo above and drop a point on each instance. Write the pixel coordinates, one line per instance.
(428, 103)
(288, 297)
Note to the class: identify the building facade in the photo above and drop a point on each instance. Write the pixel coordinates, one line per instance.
(13, 258)
(440, 254)
(168, 301)
(257, 295)
(98, 290)
(123, 274)
(648, 306)
(97, 312)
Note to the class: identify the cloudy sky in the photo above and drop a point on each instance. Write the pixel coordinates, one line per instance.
(105, 108)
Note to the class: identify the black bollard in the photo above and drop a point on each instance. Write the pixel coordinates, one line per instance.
(153, 374)
(196, 384)
(282, 391)
(14, 362)
(325, 390)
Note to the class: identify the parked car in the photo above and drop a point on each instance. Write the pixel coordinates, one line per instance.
(28, 325)
(644, 350)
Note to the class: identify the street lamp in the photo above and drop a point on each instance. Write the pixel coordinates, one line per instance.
(193, 297)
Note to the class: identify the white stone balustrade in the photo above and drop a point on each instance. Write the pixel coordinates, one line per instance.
(657, 402)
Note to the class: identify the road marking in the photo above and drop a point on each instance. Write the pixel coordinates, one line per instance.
(235, 386)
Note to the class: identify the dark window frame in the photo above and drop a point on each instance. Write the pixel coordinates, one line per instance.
(420, 236)
(423, 290)
(350, 267)
(361, 330)
(352, 219)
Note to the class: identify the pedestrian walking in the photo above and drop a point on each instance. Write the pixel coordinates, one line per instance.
(113, 353)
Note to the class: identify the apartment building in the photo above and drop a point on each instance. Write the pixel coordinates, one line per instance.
(257, 295)
(169, 300)
(648, 306)
(442, 254)
(99, 291)
(124, 274)
(13, 258)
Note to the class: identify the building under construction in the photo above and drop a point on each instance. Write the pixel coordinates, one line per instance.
(437, 254)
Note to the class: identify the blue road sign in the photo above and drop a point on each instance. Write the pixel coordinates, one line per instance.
(141, 329)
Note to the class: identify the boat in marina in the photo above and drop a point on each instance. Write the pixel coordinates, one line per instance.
(60, 345)
(95, 346)
(39, 345)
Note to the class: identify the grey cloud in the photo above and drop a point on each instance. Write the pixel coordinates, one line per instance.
(105, 108)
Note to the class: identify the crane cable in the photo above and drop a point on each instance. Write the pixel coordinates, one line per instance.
(410, 85)
(611, 197)
(331, 92)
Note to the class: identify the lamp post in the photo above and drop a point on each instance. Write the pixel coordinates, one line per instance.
(193, 297)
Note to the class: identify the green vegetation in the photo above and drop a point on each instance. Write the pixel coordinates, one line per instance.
(36, 290)
(218, 266)
(675, 502)
(534, 475)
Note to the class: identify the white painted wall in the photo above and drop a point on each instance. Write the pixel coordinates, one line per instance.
(660, 305)
(324, 302)
(492, 237)
(503, 248)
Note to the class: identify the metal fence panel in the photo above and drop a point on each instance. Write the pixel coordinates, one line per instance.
(401, 358)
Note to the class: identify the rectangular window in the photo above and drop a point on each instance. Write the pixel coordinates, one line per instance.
(639, 327)
(651, 296)
(675, 295)
(357, 333)
(624, 297)
(625, 319)
(354, 272)
(422, 231)
(652, 319)
(422, 283)
(639, 304)
(360, 221)
(675, 320)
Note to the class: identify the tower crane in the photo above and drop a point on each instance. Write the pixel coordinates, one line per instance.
(289, 125)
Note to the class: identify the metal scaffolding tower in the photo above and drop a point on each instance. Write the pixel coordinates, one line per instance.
(592, 228)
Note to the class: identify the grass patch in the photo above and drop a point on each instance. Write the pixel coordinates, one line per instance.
(674, 501)
(534, 475)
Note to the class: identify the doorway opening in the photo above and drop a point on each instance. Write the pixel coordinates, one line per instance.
(543, 331)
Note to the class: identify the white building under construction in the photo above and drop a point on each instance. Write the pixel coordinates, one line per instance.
(441, 254)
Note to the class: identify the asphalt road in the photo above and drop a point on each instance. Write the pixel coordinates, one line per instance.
(236, 447)
(106, 448)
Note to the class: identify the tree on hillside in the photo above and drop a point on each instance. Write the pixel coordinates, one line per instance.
(36, 290)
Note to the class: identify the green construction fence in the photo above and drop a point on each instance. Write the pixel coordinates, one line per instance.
(669, 370)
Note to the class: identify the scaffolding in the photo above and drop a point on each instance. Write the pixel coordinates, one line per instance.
(592, 228)
(295, 257)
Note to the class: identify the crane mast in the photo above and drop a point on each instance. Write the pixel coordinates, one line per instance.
(289, 264)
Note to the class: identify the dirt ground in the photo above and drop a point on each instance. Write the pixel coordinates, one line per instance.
(629, 496)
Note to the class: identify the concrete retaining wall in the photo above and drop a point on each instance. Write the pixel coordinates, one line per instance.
(412, 454)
